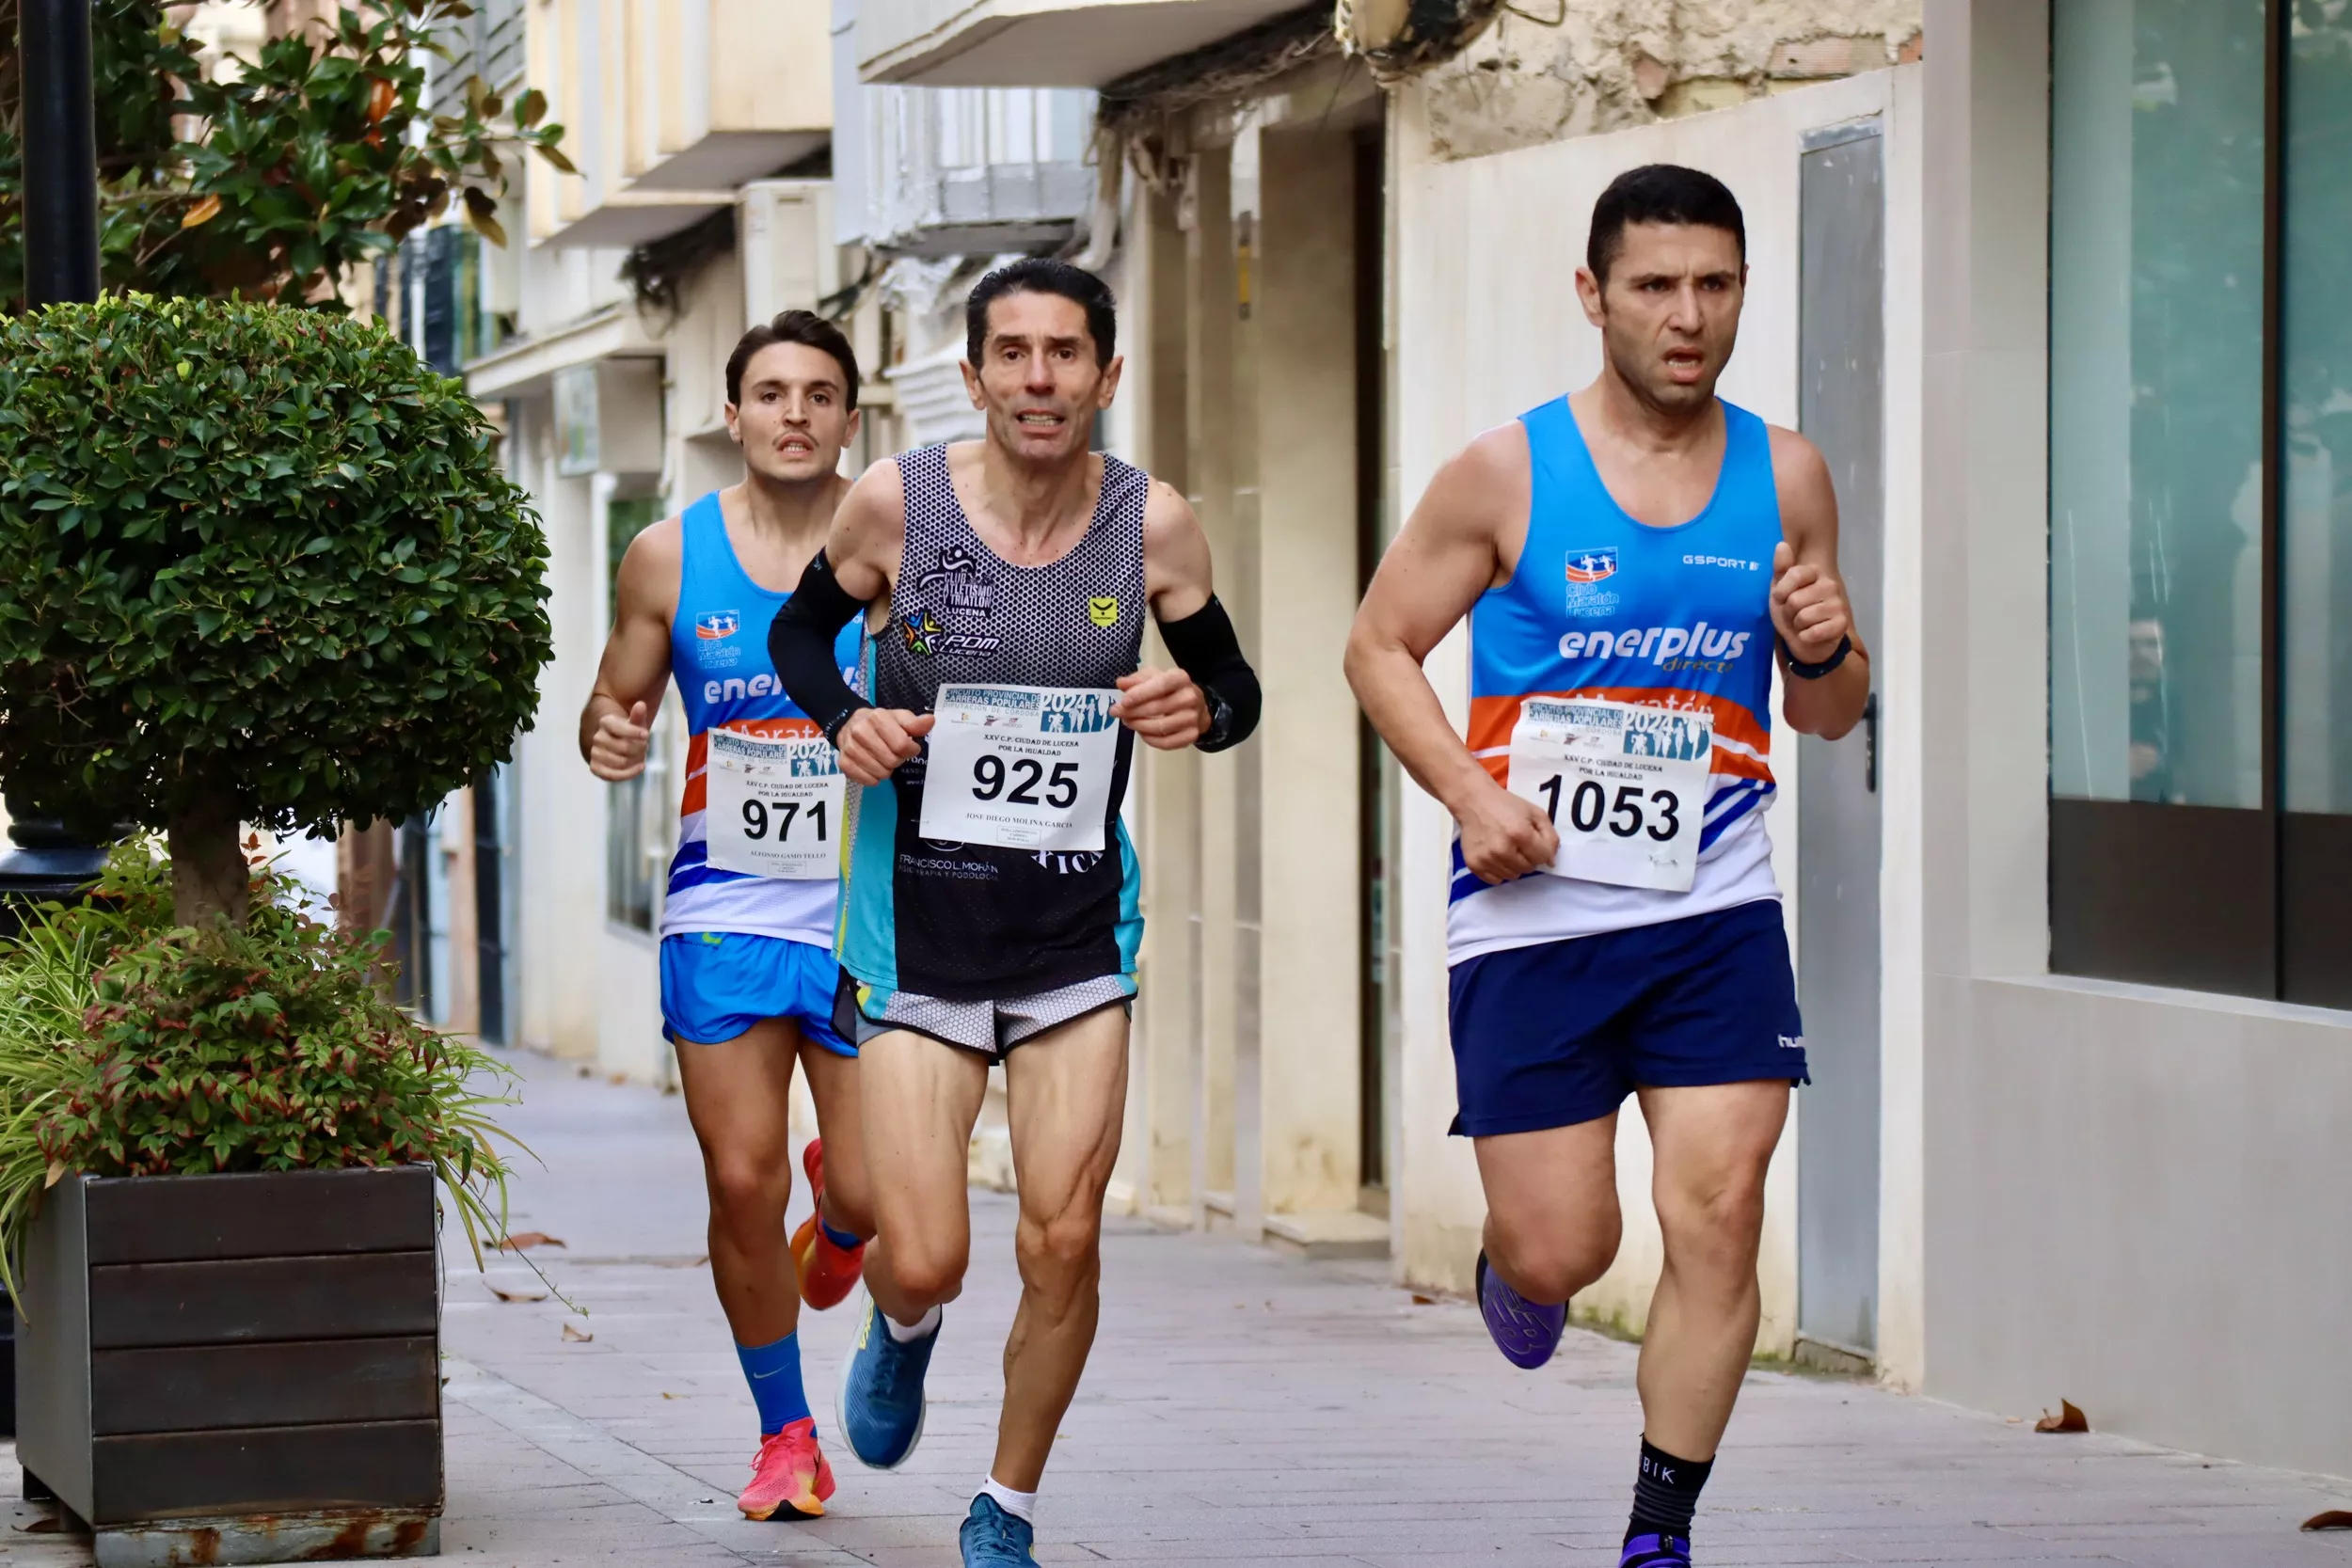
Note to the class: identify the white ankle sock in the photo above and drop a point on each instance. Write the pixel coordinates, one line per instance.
(1020, 1505)
(906, 1334)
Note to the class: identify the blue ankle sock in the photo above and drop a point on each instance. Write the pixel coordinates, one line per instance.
(841, 1239)
(774, 1372)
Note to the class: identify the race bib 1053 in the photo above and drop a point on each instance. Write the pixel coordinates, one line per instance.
(772, 806)
(1021, 767)
(1625, 785)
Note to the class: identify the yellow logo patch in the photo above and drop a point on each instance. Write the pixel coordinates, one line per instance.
(1105, 613)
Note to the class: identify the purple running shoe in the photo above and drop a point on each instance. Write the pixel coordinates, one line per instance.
(1656, 1551)
(1525, 1333)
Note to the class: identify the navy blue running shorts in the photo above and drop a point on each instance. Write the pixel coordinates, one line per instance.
(1559, 1033)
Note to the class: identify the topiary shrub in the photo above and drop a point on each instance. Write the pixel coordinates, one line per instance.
(262, 566)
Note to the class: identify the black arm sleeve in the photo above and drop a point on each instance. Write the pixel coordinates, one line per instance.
(800, 643)
(1204, 647)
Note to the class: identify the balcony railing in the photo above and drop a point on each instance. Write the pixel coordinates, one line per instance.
(970, 170)
(1079, 43)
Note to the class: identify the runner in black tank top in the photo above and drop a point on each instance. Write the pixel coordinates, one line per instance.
(990, 906)
(930, 917)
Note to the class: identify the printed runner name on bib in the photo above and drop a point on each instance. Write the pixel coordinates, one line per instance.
(773, 806)
(1625, 786)
(1021, 767)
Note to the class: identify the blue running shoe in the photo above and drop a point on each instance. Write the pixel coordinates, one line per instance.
(992, 1538)
(1656, 1551)
(881, 1407)
(1525, 1333)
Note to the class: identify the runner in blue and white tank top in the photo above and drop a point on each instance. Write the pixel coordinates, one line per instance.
(748, 916)
(1632, 560)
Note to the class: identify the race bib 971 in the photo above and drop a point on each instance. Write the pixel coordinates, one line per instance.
(1021, 767)
(1625, 785)
(772, 806)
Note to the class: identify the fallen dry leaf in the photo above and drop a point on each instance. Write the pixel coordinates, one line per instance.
(2335, 1519)
(2067, 1419)
(57, 1173)
(618, 1078)
(669, 1396)
(51, 1526)
(1419, 1299)
(518, 1242)
(575, 1337)
(518, 1295)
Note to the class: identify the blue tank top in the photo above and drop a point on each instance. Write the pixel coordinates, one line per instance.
(719, 655)
(1603, 606)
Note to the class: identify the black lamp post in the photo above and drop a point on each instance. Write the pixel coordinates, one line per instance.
(60, 266)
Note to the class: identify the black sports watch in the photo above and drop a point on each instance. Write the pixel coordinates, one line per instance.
(1221, 722)
(1804, 671)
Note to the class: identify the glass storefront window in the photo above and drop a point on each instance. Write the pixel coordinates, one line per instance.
(2316, 357)
(2156, 399)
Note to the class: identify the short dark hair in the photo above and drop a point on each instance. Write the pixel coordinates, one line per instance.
(1659, 192)
(1043, 275)
(805, 328)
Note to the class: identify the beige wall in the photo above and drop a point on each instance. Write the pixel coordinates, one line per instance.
(1607, 64)
(1484, 335)
(1241, 388)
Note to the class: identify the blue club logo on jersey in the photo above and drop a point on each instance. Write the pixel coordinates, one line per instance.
(718, 624)
(1591, 567)
(1587, 571)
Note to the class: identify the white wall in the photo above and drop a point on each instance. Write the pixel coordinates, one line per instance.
(1491, 330)
(2134, 1197)
(560, 821)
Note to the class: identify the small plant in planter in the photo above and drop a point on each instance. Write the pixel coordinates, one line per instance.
(264, 569)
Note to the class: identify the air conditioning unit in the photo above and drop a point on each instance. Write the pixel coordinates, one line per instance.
(785, 231)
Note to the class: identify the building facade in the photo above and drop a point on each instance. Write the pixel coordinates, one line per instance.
(2045, 283)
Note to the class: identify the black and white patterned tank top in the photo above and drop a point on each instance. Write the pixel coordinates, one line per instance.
(967, 921)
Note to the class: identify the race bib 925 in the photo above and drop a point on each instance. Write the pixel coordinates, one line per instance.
(1625, 785)
(1021, 767)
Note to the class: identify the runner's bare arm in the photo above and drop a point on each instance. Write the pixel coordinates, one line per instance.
(853, 570)
(618, 720)
(1449, 552)
(1809, 606)
(1167, 708)
(869, 529)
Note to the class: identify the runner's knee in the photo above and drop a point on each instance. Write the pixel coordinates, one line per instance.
(748, 1191)
(1553, 1264)
(931, 1273)
(1057, 1249)
(1717, 1225)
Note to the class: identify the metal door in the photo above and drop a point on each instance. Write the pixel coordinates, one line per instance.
(489, 900)
(1841, 342)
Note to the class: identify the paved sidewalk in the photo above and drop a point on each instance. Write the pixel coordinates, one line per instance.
(1242, 1407)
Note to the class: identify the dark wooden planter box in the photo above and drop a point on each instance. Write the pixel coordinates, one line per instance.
(236, 1369)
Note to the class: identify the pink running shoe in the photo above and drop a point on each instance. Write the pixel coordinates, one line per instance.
(825, 1271)
(789, 1477)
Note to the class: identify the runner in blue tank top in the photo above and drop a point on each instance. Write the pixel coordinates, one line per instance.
(1632, 560)
(748, 974)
